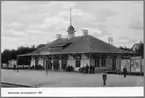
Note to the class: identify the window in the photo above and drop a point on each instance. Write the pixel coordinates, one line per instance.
(78, 63)
(63, 64)
(97, 63)
(103, 62)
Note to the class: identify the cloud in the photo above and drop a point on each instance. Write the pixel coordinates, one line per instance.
(12, 25)
(51, 22)
(77, 14)
(54, 21)
(33, 31)
(39, 22)
(97, 32)
(136, 25)
(64, 4)
(104, 14)
(15, 25)
(124, 41)
(13, 33)
(67, 5)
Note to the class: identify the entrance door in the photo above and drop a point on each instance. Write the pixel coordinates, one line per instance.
(36, 62)
(48, 65)
(56, 64)
(63, 64)
(114, 63)
(97, 63)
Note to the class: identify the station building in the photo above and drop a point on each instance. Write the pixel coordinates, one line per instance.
(77, 51)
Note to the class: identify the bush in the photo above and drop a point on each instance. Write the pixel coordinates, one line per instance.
(69, 68)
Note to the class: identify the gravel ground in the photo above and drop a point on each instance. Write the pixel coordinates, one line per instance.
(68, 79)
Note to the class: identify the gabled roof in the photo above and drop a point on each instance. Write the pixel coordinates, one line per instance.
(137, 45)
(80, 44)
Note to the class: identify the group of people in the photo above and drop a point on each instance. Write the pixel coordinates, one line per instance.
(89, 69)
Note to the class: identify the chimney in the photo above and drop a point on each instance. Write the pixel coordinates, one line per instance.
(110, 40)
(85, 32)
(58, 36)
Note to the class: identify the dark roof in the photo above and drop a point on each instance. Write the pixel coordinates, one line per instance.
(137, 44)
(80, 44)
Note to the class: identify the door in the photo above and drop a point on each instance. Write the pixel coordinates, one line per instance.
(63, 64)
(56, 64)
(48, 65)
(97, 63)
(36, 62)
(114, 63)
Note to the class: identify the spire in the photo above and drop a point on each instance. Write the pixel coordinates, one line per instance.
(70, 18)
(70, 29)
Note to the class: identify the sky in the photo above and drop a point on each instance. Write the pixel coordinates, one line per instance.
(27, 23)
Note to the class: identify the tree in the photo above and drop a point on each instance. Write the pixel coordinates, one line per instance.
(6, 56)
(140, 51)
(40, 46)
(12, 54)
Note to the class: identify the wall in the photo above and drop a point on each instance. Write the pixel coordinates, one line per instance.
(127, 63)
(133, 65)
(85, 60)
(92, 62)
(71, 63)
(32, 62)
(40, 62)
(109, 62)
(142, 65)
(118, 63)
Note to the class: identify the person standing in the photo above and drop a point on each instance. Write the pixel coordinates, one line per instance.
(104, 76)
(87, 68)
(93, 69)
(17, 69)
(46, 69)
(14, 67)
(125, 71)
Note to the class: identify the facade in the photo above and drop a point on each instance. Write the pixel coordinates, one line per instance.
(77, 51)
(133, 64)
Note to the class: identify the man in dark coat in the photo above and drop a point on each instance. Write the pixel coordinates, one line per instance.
(14, 67)
(87, 68)
(104, 76)
(46, 69)
(125, 71)
(93, 69)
